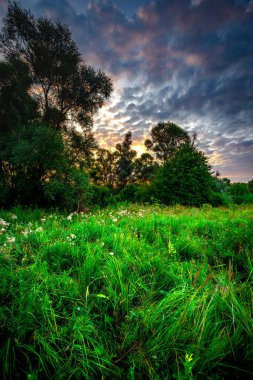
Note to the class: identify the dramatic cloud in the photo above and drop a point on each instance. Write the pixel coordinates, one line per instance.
(188, 61)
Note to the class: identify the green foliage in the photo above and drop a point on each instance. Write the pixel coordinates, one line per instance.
(238, 189)
(102, 196)
(250, 186)
(16, 106)
(184, 179)
(166, 138)
(69, 190)
(217, 199)
(140, 293)
(29, 162)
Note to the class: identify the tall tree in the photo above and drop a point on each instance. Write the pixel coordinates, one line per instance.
(17, 108)
(67, 89)
(165, 139)
(144, 168)
(125, 161)
(43, 70)
(104, 169)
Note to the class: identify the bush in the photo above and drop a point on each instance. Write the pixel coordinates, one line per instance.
(69, 190)
(184, 179)
(218, 199)
(101, 196)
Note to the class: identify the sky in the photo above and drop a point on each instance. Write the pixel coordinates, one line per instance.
(186, 61)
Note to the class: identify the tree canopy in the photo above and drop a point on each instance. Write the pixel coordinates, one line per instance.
(46, 92)
(185, 178)
(66, 89)
(166, 138)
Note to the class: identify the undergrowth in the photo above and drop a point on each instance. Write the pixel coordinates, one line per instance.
(130, 293)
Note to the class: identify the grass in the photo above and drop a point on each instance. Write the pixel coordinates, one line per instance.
(130, 293)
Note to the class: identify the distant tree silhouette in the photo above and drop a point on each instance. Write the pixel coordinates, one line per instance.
(103, 172)
(144, 168)
(166, 138)
(125, 161)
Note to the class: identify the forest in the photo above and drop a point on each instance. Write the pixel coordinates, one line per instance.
(48, 154)
(112, 265)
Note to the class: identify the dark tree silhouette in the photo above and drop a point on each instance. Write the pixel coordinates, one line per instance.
(165, 139)
(67, 89)
(125, 161)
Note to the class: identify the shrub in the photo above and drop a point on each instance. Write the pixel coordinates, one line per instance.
(184, 179)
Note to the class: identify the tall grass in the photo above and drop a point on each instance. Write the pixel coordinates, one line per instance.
(130, 293)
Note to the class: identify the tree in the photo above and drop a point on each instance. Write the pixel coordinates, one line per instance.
(144, 168)
(185, 178)
(30, 163)
(125, 160)
(67, 89)
(239, 189)
(42, 151)
(17, 107)
(250, 186)
(165, 139)
(104, 169)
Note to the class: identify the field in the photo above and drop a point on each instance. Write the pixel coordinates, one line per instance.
(127, 293)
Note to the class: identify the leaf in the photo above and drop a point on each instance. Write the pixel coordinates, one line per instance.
(100, 295)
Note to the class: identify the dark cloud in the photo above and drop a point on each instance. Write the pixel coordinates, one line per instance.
(189, 61)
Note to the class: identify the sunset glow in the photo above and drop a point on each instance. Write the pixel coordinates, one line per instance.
(187, 61)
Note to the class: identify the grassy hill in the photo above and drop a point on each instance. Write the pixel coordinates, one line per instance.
(131, 293)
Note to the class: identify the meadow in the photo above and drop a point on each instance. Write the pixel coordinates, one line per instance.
(129, 292)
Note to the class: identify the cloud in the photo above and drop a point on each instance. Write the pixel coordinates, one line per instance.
(189, 61)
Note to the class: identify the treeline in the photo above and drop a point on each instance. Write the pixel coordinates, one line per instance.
(48, 153)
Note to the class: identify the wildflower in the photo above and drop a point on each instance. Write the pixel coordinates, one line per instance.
(11, 239)
(69, 217)
(102, 245)
(3, 223)
(111, 253)
(14, 217)
(43, 219)
(73, 236)
(2, 230)
(115, 220)
(25, 232)
(39, 229)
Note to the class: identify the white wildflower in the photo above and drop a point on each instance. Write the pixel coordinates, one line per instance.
(111, 253)
(14, 217)
(115, 220)
(11, 239)
(69, 217)
(25, 232)
(103, 244)
(3, 223)
(72, 236)
(43, 219)
(39, 229)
